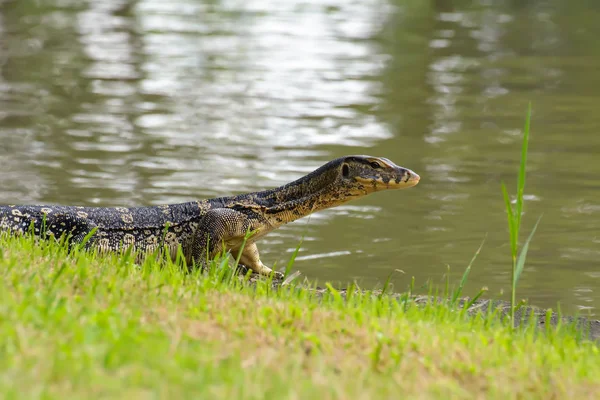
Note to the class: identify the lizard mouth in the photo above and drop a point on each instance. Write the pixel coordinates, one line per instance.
(405, 180)
(412, 179)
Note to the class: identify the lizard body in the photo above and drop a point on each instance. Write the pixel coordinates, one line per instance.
(201, 228)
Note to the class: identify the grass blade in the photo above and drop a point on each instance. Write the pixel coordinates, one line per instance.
(523, 255)
(292, 260)
(511, 222)
(386, 285)
(87, 237)
(335, 293)
(476, 297)
(521, 180)
(463, 281)
(291, 277)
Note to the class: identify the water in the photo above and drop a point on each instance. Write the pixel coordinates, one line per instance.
(147, 102)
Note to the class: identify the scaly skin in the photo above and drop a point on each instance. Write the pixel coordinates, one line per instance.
(203, 227)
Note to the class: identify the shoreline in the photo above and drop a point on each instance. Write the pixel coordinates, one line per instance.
(480, 306)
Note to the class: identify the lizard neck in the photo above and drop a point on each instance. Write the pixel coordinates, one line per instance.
(314, 192)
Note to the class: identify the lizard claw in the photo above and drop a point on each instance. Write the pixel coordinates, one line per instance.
(278, 275)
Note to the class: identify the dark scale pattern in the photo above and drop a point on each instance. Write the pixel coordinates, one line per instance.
(57, 220)
(203, 227)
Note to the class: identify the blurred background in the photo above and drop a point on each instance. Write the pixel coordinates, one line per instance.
(117, 102)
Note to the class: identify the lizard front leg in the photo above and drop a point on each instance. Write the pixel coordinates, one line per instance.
(226, 227)
(251, 259)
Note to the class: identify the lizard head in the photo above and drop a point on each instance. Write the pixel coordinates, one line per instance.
(372, 174)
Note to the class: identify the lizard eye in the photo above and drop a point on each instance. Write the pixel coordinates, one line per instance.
(345, 171)
(375, 165)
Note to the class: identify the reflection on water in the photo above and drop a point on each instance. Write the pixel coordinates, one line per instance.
(122, 102)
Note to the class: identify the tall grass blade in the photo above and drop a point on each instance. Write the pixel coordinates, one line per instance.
(511, 223)
(521, 180)
(521, 260)
(247, 236)
(514, 220)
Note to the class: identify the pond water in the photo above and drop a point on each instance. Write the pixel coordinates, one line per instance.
(144, 102)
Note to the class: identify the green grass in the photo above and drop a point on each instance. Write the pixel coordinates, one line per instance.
(84, 326)
(514, 220)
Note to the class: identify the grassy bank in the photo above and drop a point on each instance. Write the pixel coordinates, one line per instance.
(79, 326)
